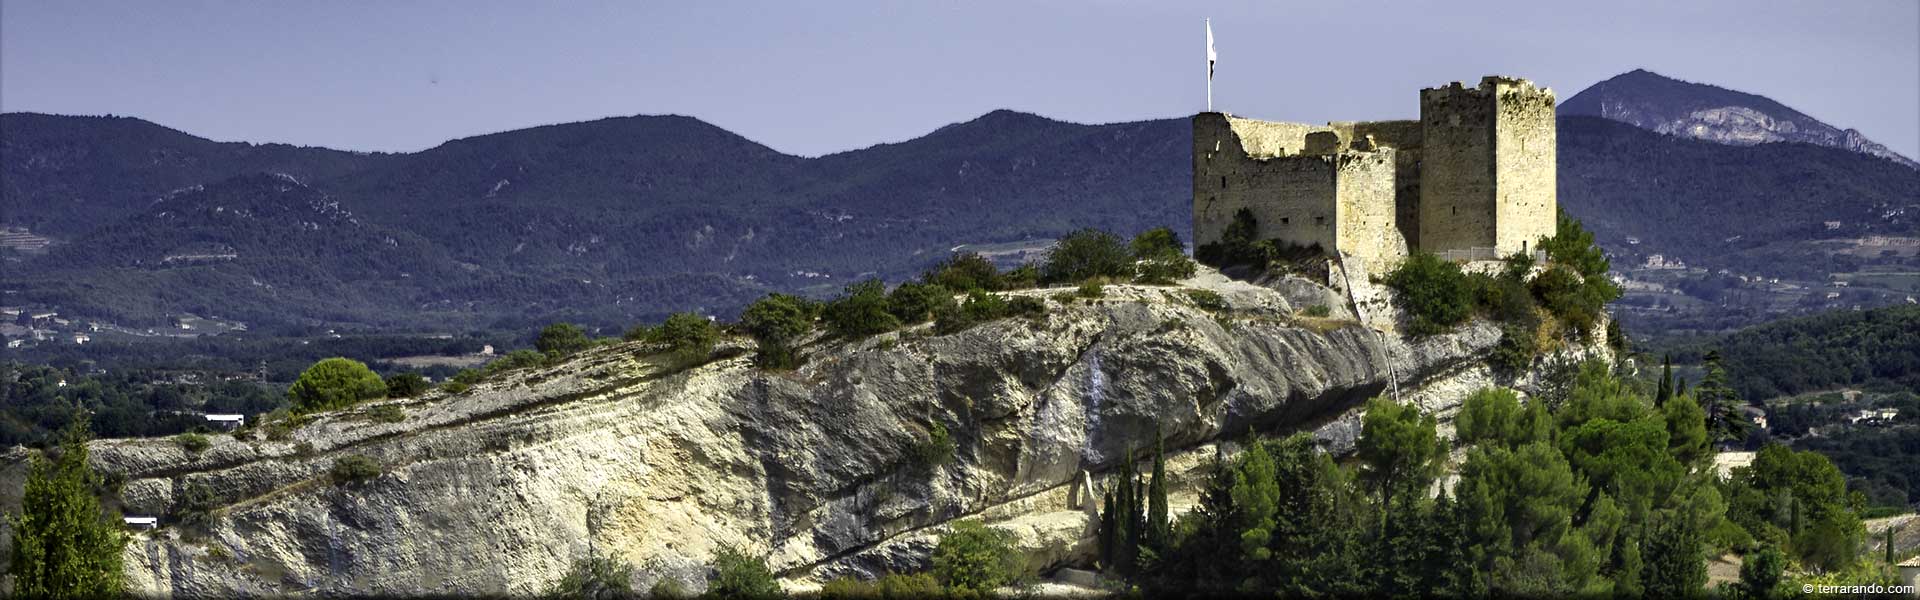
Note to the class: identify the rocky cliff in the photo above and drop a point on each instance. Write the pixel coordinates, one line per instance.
(613, 454)
(1651, 101)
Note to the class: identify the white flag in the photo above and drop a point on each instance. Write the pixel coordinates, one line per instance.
(1211, 56)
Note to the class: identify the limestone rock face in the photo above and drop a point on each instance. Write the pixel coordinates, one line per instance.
(498, 490)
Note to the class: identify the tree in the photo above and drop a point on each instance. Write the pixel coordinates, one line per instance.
(1720, 401)
(334, 383)
(689, 337)
(1086, 254)
(1665, 393)
(964, 272)
(1161, 257)
(1760, 572)
(1157, 523)
(64, 544)
(562, 339)
(777, 322)
(406, 385)
(739, 576)
(1400, 449)
(860, 311)
(1159, 241)
(974, 558)
(1687, 430)
(1572, 245)
(1675, 567)
(912, 302)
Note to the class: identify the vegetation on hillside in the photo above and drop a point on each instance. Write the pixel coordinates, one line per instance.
(1595, 492)
(64, 544)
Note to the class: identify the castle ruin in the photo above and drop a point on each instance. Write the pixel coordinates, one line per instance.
(1473, 179)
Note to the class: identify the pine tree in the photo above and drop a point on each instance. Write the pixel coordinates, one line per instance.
(64, 544)
(1157, 523)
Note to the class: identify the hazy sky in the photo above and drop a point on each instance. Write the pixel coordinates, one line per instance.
(816, 77)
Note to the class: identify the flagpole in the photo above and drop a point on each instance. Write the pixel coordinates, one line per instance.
(1209, 65)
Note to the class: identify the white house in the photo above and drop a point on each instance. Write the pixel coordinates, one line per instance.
(227, 422)
(1910, 574)
(141, 522)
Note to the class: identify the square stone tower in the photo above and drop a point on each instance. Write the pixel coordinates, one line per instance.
(1487, 173)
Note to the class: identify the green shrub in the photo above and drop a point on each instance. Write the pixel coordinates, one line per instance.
(1157, 242)
(1207, 300)
(975, 558)
(518, 359)
(193, 442)
(777, 322)
(456, 387)
(668, 588)
(1161, 256)
(1026, 306)
(1433, 291)
(1091, 289)
(964, 272)
(333, 383)
(1064, 297)
(195, 504)
(892, 586)
(936, 450)
(1164, 270)
(1318, 311)
(689, 337)
(355, 468)
(737, 575)
(1086, 254)
(387, 413)
(1516, 349)
(1022, 277)
(1571, 298)
(406, 385)
(917, 302)
(562, 339)
(860, 311)
(595, 578)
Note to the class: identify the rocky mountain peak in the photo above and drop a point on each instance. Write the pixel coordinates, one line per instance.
(1653, 101)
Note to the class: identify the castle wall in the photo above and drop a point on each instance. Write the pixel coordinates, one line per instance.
(1407, 139)
(1524, 142)
(1292, 196)
(1367, 224)
(1456, 204)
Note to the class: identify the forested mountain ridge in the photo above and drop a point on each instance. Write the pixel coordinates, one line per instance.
(64, 175)
(1708, 203)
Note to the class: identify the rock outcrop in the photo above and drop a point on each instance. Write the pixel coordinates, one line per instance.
(613, 454)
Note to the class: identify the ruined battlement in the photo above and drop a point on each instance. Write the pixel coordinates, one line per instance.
(1474, 174)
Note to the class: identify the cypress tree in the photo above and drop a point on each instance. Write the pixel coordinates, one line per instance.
(1666, 383)
(1127, 533)
(64, 544)
(1107, 523)
(1157, 525)
(1889, 544)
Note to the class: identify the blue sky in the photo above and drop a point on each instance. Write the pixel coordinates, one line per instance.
(818, 77)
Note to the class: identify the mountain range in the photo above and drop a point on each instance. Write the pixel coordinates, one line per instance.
(620, 220)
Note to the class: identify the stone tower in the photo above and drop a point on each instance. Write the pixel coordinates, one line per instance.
(1487, 173)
